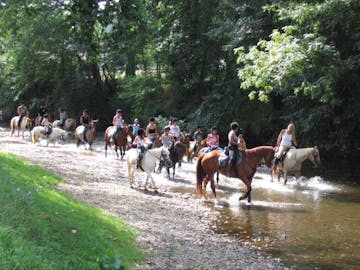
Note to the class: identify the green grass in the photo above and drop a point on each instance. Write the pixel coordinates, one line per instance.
(41, 228)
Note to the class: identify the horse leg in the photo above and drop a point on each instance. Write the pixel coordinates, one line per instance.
(285, 177)
(217, 178)
(174, 171)
(248, 192)
(212, 184)
(206, 180)
(106, 146)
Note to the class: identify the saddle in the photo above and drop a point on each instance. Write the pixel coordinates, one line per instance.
(224, 158)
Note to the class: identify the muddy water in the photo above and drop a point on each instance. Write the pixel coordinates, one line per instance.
(310, 223)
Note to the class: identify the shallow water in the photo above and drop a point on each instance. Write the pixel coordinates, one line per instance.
(310, 223)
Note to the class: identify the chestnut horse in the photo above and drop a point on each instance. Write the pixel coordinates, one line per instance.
(121, 140)
(208, 165)
(190, 151)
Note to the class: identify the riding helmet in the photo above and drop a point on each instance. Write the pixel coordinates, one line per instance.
(166, 128)
(152, 119)
(174, 120)
(118, 110)
(214, 128)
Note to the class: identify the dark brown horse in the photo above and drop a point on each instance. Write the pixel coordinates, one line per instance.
(121, 140)
(177, 151)
(208, 165)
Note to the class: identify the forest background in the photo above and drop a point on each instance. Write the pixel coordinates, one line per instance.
(208, 62)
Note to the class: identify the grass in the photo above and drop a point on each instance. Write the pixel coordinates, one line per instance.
(41, 228)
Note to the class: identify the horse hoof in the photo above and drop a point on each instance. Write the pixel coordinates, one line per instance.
(156, 191)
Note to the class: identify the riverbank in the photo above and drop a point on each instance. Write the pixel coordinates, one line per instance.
(173, 228)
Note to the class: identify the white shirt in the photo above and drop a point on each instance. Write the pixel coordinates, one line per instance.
(286, 139)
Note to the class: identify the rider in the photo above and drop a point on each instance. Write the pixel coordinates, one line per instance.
(198, 138)
(85, 121)
(135, 126)
(41, 112)
(22, 111)
(166, 138)
(118, 123)
(47, 124)
(139, 142)
(62, 116)
(212, 139)
(285, 141)
(175, 129)
(234, 146)
(151, 130)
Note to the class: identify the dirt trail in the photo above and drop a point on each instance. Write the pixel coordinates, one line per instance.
(173, 227)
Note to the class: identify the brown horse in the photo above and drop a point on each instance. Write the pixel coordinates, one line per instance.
(190, 150)
(121, 140)
(208, 165)
(177, 151)
(89, 137)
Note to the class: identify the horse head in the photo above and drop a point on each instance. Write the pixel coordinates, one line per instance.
(315, 156)
(92, 125)
(165, 156)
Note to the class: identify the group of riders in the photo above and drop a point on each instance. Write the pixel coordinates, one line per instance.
(144, 139)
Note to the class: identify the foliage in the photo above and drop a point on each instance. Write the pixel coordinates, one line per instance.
(176, 58)
(41, 228)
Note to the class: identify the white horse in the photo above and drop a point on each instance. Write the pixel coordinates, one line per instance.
(24, 125)
(70, 124)
(89, 137)
(56, 134)
(148, 162)
(293, 161)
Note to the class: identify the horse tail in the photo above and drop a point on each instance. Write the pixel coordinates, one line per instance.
(199, 176)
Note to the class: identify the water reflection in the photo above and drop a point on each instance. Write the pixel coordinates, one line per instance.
(310, 223)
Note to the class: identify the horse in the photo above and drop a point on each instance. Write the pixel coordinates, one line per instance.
(69, 125)
(190, 150)
(56, 134)
(24, 125)
(208, 164)
(148, 162)
(89, 136)
(121, 140)
(293, 161)
(177, 151)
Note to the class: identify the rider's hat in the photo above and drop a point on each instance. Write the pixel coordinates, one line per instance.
(174, 119)
(214, 128)
(136, 120)
(152, 119)
(166, 128)
(46, 115)
(234, 125)
(198, 126)
(118, 110)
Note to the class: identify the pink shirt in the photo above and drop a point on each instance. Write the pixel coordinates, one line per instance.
(213, 140)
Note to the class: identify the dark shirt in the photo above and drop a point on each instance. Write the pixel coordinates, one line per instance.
(42, 111)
